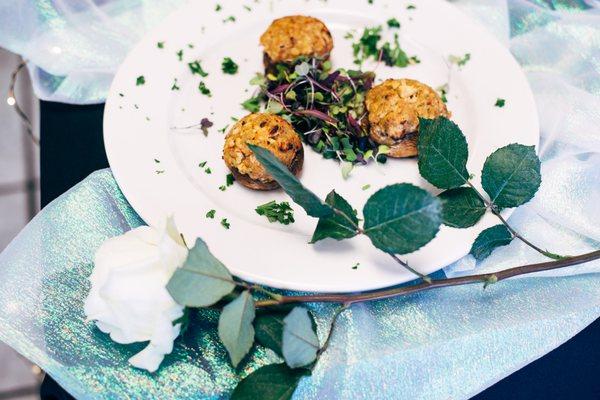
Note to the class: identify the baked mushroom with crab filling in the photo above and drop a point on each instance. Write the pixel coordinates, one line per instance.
(394, 108)
(291, 37)
(265, 130)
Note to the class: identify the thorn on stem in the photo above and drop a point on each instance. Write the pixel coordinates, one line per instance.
(490, 280)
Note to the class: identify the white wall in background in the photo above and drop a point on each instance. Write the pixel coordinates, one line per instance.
(18, 164)
(18, 155)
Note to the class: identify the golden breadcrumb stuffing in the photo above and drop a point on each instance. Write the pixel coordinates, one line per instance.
(395, 107)
(290, 37)
(265, 130)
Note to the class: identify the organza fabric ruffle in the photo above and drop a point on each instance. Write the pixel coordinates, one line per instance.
(74, 47)
(446, 343)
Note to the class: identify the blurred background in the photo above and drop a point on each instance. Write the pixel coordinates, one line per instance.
(19, 202)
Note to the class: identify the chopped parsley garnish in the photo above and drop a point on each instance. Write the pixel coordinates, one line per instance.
(367, 45)
(225, 223)
(355, 266)
(175, 86)
(218, 8)
(247, 8)
(414, 60)
(229, 66)
(140, 80)
(394, 56)
(411, 7)
(366, 187)
(156, 160)
(191, 45)
(500, 102)
(180, 55)
(196, 69)
(208, 170)
(160, 45)
(211, 214)
(205, 123)
(231, 18)
(223, 129)
(204, 90)
(460, 61)
(252, 104)
(160, 171)
(229, 179)
(202, 164)
(277, 212)
(121, 95)
(443, 91)
(390, 53)
(393, 23)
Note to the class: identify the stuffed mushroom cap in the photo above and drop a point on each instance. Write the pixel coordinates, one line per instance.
(265, 130)
(294, 36)
(394, 109)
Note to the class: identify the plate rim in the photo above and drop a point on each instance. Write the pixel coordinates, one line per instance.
(133, 199)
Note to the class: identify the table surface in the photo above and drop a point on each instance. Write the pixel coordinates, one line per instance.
(72, 148)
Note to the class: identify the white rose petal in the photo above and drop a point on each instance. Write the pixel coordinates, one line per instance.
(128, 298)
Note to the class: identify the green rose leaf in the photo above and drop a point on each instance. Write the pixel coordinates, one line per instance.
(461, 207)
(488, 240)
(271, 382)
(202, 280)
(235, 327)
(269, 331)
(337, 226)
(443, 153)
(299, 340)
(402, 218)
(292, 186)
(511, 175)
(269, 324)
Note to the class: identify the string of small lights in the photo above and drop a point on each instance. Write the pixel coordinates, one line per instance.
(11, 100)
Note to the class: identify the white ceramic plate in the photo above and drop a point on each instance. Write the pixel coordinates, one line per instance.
(157, 167)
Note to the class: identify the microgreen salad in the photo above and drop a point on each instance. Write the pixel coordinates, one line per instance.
(325, 106)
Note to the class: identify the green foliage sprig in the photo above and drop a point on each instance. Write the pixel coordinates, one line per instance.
(398, 219)
(510, 177)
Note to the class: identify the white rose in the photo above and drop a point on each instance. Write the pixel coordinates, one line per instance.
(129, 299)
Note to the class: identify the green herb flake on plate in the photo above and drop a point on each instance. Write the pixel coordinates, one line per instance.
(196, 69)
(228, 66)
(277, 212)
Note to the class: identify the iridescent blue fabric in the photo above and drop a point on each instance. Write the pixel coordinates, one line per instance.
(447, 343)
